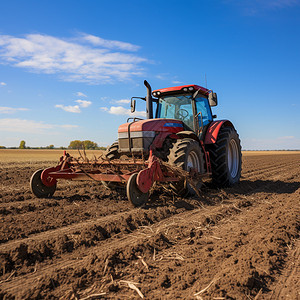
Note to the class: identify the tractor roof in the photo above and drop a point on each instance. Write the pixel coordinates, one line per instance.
(190, 88)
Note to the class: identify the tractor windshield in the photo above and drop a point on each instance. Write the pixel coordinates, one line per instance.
(180, 107)
(176, 107)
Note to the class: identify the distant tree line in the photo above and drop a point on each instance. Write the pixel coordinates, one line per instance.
(76, 144)
(83, 145)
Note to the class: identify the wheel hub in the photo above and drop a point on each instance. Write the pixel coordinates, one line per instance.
(233, 158)
(193, 162)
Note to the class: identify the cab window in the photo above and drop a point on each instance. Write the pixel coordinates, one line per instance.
(202, 106)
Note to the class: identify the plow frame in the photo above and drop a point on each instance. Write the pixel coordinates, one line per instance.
(115, 170)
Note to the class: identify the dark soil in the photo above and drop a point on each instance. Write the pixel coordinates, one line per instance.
(233, 243)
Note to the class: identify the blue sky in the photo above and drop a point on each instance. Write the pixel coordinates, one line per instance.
(69, 68)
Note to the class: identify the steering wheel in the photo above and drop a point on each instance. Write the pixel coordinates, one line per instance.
(183, 113)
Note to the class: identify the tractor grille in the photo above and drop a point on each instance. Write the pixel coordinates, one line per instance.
(139, 141)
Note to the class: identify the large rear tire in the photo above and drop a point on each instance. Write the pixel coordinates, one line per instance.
(38, 188)
(112, 151)
(186, 154)
(226, 158)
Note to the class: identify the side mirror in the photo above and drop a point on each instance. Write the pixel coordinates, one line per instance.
(213, 99)
(132, 105)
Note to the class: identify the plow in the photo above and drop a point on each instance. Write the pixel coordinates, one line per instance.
(181, 146)
(135, 174)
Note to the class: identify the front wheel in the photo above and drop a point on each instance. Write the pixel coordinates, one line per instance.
(135, 196)
(38, 188)
(226, 158)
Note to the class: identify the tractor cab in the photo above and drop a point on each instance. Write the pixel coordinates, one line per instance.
(190, 104)
(181, 108)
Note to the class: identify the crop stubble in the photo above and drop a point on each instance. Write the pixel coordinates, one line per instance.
(234, 243)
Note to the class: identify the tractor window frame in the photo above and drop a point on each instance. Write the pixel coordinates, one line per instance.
(193, 125)
(190, 102)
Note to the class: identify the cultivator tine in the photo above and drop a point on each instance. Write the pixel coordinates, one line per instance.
(85, 157)
(80, 153)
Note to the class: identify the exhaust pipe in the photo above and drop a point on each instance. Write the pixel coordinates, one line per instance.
(149, 101)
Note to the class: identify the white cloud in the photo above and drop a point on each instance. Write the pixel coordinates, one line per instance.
(11, 110)
(123, 101)
(83, 103)
(79, 94)
(69, 108)
(97, 41)
(120, 110)
(2, 83)
(74, 108)
(73, 60)
(29, 126)
(177, 82)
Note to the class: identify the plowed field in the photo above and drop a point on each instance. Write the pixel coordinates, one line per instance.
(89, 243)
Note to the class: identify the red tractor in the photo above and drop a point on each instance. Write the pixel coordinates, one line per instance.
(182, 141)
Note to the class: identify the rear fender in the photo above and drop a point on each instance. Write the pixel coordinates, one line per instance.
(187, 134)
(213, 130)
(159, 139)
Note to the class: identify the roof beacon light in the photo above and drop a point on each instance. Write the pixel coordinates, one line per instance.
(185, 89)
(191, 88)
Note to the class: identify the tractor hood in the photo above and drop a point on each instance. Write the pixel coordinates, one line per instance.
(138, 136)
(156, 125)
